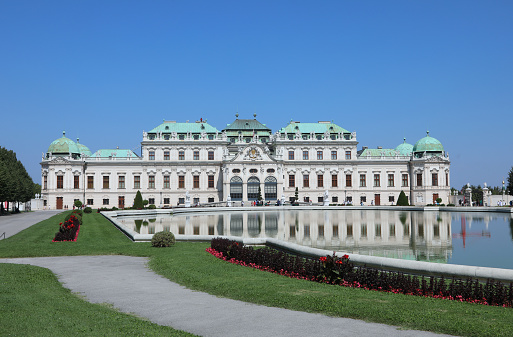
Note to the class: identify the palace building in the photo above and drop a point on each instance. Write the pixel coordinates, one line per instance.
(242, 161)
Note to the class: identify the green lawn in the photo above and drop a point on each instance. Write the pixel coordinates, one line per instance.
(190, 265)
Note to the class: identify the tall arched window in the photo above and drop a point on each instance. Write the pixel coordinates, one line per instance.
(270, 188)
(236, 188)
(253, 185)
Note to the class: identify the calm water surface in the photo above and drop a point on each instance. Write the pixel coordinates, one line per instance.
(478, 239)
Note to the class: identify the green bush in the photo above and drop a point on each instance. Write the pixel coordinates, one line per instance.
(88, 210)
(78, 203)
(163, 239)
(152, 206)
(402, 200)
(138, 201)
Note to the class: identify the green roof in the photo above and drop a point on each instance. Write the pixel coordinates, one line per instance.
(404, 148)
(428, 144)
(379, 153)
(198, 127)
(83, 149)
(293, 127)
(247, 127)
(118, 153)
(63, 145)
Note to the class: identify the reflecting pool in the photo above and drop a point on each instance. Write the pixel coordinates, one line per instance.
(478, 239)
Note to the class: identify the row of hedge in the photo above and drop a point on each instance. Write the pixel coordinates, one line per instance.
(340, 271)
(68, 230)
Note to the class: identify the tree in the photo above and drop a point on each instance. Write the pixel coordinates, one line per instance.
(138, 201)
(510, 181)
(78, 203)
(259, 194)
(402, 200)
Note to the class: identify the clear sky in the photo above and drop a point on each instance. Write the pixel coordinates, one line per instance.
(105, 71)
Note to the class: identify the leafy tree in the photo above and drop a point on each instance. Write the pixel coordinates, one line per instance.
(259, 194)
(78, 203)
(402, 200)
(15, 183)
(138, 201)
(510, 181)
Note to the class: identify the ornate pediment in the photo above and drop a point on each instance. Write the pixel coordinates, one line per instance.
(59, 160)
(252, 153)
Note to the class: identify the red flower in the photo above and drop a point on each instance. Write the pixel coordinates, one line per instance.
(345, 256)
(322, 258)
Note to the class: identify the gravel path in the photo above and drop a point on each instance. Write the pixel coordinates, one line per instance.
(129, 285)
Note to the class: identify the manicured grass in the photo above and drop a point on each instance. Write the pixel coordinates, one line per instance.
(190, 265)
(35, 304)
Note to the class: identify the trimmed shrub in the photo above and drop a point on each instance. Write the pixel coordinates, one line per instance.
(78, 203)
(402, 200)
(152, 206)
(138, 201)
(163, 239)
(88, 210)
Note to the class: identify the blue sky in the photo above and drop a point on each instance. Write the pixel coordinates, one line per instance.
(105, 71)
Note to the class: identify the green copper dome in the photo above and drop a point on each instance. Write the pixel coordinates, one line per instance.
(63, 145)
(83, 149)
(428, 144)
(404, 149)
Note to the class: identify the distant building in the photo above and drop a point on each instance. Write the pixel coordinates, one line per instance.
(244, 159)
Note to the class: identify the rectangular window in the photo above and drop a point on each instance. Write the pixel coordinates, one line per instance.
(90, 182)
(334, 180)
(45, 182)
(419, 179)
(334, 199)
(447, 179)
(195, 181)
(349, 181)
(390, 180)
(151, 181)
(181, 201)
(166, 201)
(434, 179)
(90, 202)
(363, 183)
(151, 201)
(348, 154)
(376, 180)
(76, 182)
(121, 182)
(210, 181)
(405, 180)
(105, 201)
(137, 181)
(181, 155)
(181, 181)
(151, 155)
(60, 181)
(105, 181)
(210, 199)
(195, 155)
(306, 180)
(305, 155)
(320, 182)
(291, 155)
(167, 182)
(391, 198)
(333, 155)
(166, 155)
(292, 180)
(210, 155)
(319, 155)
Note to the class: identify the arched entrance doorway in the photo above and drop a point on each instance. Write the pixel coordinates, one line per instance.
(236, 188)
(270, 188)
(253, 185)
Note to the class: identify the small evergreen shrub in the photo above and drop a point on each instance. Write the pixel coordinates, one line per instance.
(163, 239)
(88, 210)
(152, 206)
(402, 200)
(138, 201)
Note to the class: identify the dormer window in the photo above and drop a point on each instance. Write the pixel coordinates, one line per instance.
(167, 127)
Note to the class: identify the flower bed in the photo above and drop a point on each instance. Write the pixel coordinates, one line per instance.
(340, 271)
(68, 230)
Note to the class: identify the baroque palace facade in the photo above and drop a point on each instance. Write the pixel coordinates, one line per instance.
(241, 161)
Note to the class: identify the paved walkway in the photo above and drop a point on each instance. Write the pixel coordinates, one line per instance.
(15, 223)
(128, 284)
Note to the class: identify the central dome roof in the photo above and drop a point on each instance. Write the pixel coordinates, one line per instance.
(63, 145)
(428, 144)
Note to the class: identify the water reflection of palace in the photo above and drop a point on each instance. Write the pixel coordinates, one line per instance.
(405, 235)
